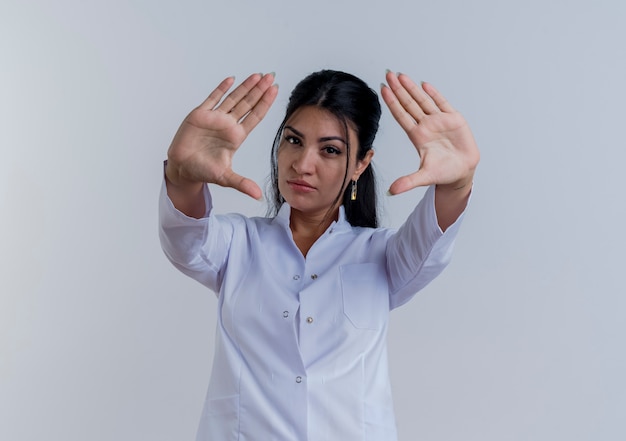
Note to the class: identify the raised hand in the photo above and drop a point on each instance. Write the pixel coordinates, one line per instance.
(204, 145)
(443, 139)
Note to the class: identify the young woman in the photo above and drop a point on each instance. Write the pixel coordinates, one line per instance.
(304, 294)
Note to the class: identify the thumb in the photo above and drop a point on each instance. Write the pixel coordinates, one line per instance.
(242, 184)
(405, 183)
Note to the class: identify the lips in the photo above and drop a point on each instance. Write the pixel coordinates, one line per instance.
(299, 185)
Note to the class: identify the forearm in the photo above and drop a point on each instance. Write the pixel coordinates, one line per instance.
(197, 247)
(420, 250)
(451, 200)
(187, 196)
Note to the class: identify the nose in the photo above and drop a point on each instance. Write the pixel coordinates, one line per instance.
(304, 161)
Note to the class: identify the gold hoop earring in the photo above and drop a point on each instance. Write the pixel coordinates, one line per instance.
(353, 192)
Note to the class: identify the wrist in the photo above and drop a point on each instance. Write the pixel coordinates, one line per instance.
(461, 184)
(174, 178)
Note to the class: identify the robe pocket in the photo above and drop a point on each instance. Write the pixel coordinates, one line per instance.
(365, 294)
(220, 419)
(380, 422)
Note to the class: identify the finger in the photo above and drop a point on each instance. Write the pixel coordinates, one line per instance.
(404, 97)
(406, 121)
(242, 184)
(426, 104)
(259, 111)
(405, 183)
(239, 93)
(218, 93)
(438, 98)
(252, 98)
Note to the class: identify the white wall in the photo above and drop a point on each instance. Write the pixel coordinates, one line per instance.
(522, 338)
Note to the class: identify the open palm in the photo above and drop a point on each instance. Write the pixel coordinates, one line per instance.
(203, 147)
(443, 139)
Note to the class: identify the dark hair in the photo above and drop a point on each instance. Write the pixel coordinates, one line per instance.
(355, 105)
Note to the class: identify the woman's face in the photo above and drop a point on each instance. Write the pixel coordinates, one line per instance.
(312, 158)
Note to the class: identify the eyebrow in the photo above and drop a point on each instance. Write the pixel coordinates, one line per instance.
(323, 139)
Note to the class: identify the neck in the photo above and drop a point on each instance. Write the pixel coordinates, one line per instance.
(306, 229)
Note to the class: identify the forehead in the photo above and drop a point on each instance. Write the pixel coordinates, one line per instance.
(316, 119)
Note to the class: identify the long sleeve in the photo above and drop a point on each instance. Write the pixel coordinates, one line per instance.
(197, 247)
(419, 251)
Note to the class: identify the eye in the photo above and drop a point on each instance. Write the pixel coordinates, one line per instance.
(331, 150)
(292, 139)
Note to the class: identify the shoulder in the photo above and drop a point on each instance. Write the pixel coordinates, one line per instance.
(239, 220)
(365, 242)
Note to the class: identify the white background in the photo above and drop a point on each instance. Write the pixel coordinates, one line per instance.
(522, 338)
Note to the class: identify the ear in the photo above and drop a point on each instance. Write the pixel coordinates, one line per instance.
(363, 164)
